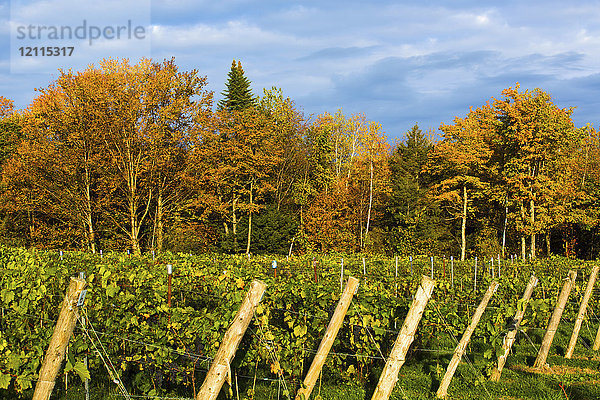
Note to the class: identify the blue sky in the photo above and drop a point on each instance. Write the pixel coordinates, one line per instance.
(398, 62)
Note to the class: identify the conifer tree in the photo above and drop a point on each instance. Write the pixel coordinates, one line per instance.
(237, 95)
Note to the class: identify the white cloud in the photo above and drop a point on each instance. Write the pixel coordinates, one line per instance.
(233, 33)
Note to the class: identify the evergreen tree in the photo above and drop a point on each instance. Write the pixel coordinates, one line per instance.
(237, 94)
(413, 220)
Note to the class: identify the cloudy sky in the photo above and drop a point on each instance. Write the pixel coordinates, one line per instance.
(398, 62)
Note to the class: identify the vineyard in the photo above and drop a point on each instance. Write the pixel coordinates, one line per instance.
(156, 344)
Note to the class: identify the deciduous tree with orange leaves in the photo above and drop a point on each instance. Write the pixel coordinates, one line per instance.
(105, 144)
(536, 140)
(461, 161)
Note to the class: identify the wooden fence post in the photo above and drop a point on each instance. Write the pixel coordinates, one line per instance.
(540, 361)
(512, 333)
(220, 369)
(582, 308)
(597, 341)
(464, 341)
(63, 330)
(330, 334)
(397, 356)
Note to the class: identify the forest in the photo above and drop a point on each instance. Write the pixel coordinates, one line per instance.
(142, 158)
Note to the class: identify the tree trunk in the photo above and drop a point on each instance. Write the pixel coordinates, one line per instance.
(548, 243)
(134, 219)
(463, 231)
(136, 222)
(249, 221)
(338, 162)
(504, 233)
(532, 221)
(159, 221)
(31, 224)
(135, 244)
(523, 244)
(370, 203)
(234, 225)
(91, 234)
(88, 210)
(134, 233)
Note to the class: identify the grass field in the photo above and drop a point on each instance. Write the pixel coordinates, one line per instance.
(419, 378)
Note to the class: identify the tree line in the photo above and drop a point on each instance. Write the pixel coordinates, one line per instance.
(139, 157)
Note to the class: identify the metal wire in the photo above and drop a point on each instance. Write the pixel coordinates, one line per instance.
(112, 372)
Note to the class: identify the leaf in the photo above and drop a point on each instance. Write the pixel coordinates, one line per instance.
(112, 290)
(24, 382)
(81, 370)
(275, 368)
(300, 330)
(14, 362)
(4, 380)
(8, 296)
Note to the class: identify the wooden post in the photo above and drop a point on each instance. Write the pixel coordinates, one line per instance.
(59, 341)
(464, 341)
(597, 341)
(540, 361)
(219, 369)
(582, 308)
(512, 333)
(330, 334)
(389, 375)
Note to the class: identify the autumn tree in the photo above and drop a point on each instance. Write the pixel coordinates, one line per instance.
(10, 129)
(290, 131)
(237, 156)
(349, 162)
(584, 168)
(148, 108)
(10, 137)
(372, 179)
(536, 136)
(232, 164)
(461, 160)
(105, 146)
(280, 217)
(59, 158)
(176, 102)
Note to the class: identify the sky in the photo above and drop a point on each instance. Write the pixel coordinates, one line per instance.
(398, 62)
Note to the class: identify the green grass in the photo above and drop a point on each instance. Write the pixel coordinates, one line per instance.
(419, 379)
